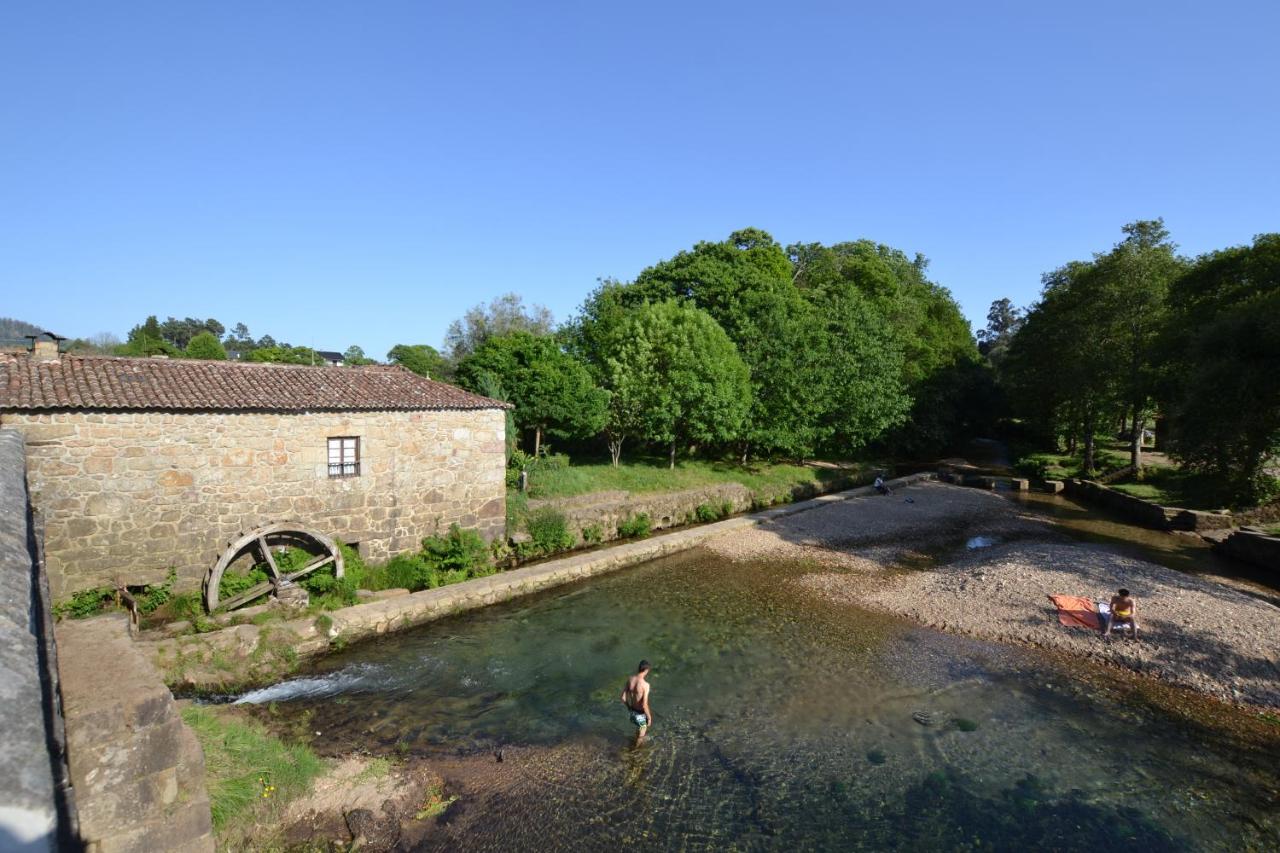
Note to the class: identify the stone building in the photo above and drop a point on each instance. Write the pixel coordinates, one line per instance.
(139, 465)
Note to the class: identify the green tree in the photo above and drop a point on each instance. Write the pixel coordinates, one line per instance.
(679, 376)
(422, 359)
(206, 346)
(355, 356)
(924, 323)
(502, 316)
(145, 339)
(284, 354)
(1003, 320)
(1133, 281)
(552, 391)
(1060, 366)
(1221, 351)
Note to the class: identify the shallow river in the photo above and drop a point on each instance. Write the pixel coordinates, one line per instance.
(781, 722)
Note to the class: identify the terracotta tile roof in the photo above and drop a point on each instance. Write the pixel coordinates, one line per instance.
(158, 384)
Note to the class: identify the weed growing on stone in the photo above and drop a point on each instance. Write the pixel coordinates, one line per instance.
(593, 534)
(635, 527)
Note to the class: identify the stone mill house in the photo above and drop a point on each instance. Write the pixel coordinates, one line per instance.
(139, 465)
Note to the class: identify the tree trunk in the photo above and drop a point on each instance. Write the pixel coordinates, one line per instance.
(1088, 447)
(537, 441)
(673, 454)
(746, 451)
(1135, 446)
(615, 450)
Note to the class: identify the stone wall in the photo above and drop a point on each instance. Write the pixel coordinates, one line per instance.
(136, 768)
(126, 496)
(1146, 513)
(1252, 546)
(605, 510)
(28, 790)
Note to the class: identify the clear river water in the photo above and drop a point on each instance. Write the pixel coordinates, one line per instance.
(782, 722)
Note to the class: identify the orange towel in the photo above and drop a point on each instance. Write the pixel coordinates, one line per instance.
(1077, 612)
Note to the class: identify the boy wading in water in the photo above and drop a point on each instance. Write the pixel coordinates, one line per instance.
(1124, 611)
(635, 695)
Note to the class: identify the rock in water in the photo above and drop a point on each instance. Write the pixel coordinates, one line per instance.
(926, 718)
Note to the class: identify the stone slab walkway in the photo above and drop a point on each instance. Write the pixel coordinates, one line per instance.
(136, 769)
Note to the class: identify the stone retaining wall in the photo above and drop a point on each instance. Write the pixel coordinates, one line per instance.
(1146, 513)
(606, 510)
(136, 768)
(189, 661)
(1252, 546)
(28, 788)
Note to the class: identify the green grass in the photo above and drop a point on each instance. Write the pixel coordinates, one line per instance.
(653, 475)
(1173, 487)
(1062, 466)
(248, 772)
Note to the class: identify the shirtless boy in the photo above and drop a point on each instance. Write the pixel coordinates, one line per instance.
(635, 695)
(1124, 611)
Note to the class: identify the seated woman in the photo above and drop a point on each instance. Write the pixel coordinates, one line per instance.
(1124, 611)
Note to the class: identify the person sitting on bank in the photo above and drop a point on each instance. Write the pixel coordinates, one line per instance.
(881, 486)
(1124, 611)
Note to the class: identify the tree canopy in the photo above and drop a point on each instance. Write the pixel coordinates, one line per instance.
(552, 392)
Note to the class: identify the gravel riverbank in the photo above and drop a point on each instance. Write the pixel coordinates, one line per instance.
(909, 554)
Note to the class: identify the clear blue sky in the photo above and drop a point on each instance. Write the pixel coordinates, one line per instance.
(362, 172)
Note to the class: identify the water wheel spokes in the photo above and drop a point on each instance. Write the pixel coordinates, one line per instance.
(261, 541)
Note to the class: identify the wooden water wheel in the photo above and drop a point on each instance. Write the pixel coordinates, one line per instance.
(261, 542)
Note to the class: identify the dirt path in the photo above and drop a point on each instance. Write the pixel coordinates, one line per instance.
(906, 554)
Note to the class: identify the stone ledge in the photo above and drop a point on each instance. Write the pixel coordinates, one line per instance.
(136, 768)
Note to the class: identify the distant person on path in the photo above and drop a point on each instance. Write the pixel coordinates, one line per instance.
(1124, 611)
(881, 487)
(635, 695)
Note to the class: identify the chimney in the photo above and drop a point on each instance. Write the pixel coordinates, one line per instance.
(45, 347)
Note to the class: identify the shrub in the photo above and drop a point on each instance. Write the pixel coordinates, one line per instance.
(407, 571)
(153, 596)
(549, 530)
(593, 534)
(458, 549)
(726, 509)
(635, 527)
(706, 512)
(86, 602)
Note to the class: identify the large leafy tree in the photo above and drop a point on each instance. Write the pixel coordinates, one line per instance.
(422, 359)
(676, 378)
(1132, 282)
(1221, 352)
(1003, 320)
(926, 335)
(552, 391)
(1061, 363)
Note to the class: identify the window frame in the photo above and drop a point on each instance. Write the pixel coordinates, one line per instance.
(342, 464)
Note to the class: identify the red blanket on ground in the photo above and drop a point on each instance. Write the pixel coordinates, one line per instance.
(1077, 612)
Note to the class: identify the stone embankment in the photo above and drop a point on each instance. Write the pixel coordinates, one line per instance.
(246, 655)
(1146, 513)
(1252, 546)
(136, 768)
(604, 511)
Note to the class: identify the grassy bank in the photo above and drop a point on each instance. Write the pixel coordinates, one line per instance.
(250, 774)
(1051, 465)
(654, 475)
(1173, 487)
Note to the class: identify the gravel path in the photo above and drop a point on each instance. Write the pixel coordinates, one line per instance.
(1195, 632)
